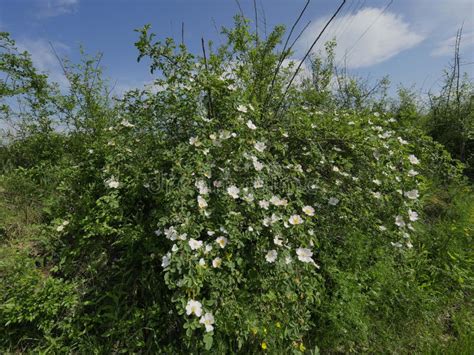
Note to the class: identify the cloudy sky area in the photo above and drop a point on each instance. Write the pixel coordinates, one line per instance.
(410, 40)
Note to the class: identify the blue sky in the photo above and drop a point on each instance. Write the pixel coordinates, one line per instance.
(411, 40)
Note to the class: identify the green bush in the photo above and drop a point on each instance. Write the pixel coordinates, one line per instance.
(34, 308)
(224, 213)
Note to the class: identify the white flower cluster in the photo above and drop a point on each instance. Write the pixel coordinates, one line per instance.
(195, 307)
(410, 195)
(195, 245)
(304, 255)
(112, 183)
(276, 208)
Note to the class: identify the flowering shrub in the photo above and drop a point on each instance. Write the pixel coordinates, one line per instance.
(216, 212)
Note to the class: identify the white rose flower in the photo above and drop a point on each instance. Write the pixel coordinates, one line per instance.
(251, 125)
(402, 141)
(266, 221)
(412, 194)
(233, 191)
(171, 233)
(222, 241)
(257, 165)
(201, 185)
(195, 244)
(305, 255)
(165, 261)
(208, 321)
(224, 134)
(202, 262)
(127, 124)
(275, 200)
(201, 202)
(278, 241)
(399, 221)
(260, 146)
(308, 210)
(194, 141)
(412, 215)
(242, 108)
(271, 256)
(112, 183)
(258, 183)
(194, 307)
(412, 173)
(248, 198)
(275, 218)
(264, 204)
(413, 159)
(217, 262)
(295, 219)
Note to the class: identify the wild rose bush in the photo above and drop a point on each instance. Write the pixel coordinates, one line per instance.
(217, 213)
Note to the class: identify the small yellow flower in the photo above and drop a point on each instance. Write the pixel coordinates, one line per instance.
(264, 346)
(278, 325)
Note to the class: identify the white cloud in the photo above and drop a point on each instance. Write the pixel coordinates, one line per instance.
(44, 58)
(389, 35)
(51, 8)
(446, 47)
(442, 15)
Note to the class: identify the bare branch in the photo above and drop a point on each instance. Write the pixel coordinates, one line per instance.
(256, 21)
(240, 8)
(209, 111)
(283, 55)
(307, 54)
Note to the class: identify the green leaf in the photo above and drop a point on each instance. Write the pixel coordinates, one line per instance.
(208, 339)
